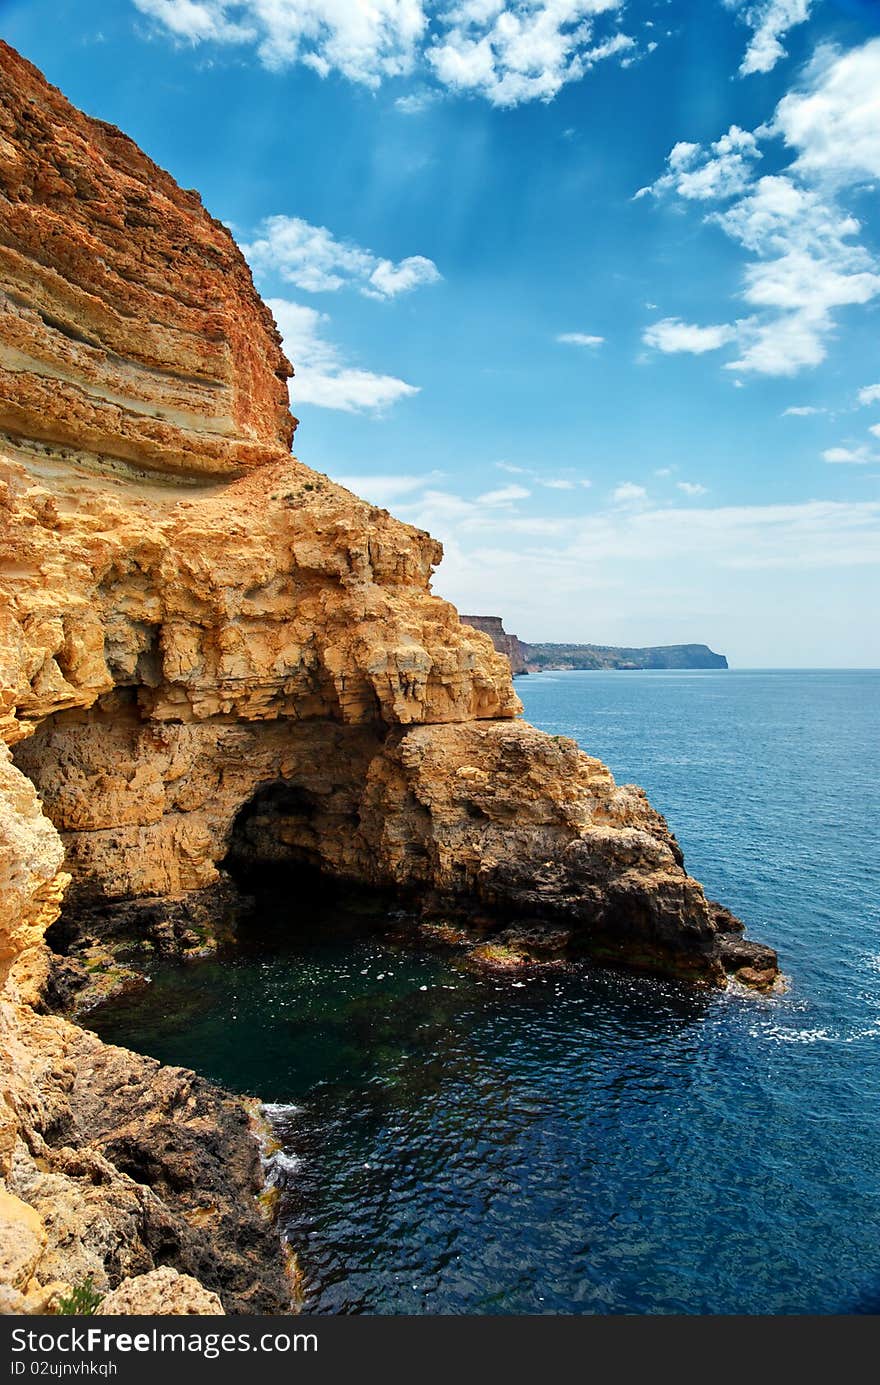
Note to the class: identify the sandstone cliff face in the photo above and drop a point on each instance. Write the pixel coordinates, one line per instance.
(504, 643)
(129, 326)
(207, 649)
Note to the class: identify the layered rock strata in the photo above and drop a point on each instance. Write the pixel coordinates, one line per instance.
(504, 643)
(130, 329)
(208, 650)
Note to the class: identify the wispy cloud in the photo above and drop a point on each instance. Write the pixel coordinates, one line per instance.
(386, 490)
(416, 102)
(700, 175)
(870, 394)
(505, 51)
(313, 259)
(832, 120)
(806, 534)
(366, 43)
(198, 21)
(635, 553)
(802, 411)
(510, 53)
(579, 339)
(322, 377)
(693, 488)
(504, 495)
(806, 261)
(539, 478)
(857, 456)
(628, 493)
(671, 335)
(809, 266)
(770, 21)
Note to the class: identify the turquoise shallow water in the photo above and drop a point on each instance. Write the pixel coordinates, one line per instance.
(587, 1141)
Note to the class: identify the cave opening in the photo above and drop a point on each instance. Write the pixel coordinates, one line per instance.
(276, 863)
(274, 830)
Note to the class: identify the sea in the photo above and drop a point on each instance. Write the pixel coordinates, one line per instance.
(587, 1141)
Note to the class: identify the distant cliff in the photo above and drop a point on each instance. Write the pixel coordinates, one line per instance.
(541, 656)
(515, 650)
(534, 658)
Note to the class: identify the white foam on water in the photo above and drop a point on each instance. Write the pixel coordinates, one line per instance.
(288, 1163)
(279, 1166)
(279, 1110)
(777, 1033)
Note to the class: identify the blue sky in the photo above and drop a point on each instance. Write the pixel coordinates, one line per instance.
(589, 288)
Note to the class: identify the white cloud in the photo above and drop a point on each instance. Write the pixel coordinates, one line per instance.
(808, 265)
(858, 456)
(833, 120)
(870, 394)
(671, 335)
(579, 339)
(692, 488)
(562, 483)
(313, 259)
(365, 42)
(808, 534)
(628, 493)
(195, 21)
(770, 21)
(698, 175)
(802, 411)
(806, 261)
(507, 51)
(386, 490)
(781, 345)
(646, 574)
(416, 102)
(875, 430)
(525, 51)
(504, 495)
(389, 279)
(322, 378)
(671, 574)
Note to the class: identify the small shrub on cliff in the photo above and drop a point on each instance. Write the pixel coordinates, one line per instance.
(82, 1301)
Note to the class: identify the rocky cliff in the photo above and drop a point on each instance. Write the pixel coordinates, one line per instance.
(534, 658)
(504, 643)
(208, 654)
(600, 656)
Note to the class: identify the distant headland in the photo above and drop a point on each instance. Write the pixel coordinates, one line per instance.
(535, 658)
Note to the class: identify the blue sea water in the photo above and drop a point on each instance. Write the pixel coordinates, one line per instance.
(587, 1141)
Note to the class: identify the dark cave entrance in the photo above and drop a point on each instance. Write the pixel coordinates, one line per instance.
(277, 828)
(273, 857)
(276, 864)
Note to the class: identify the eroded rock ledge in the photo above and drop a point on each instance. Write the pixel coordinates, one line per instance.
(206, 648)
